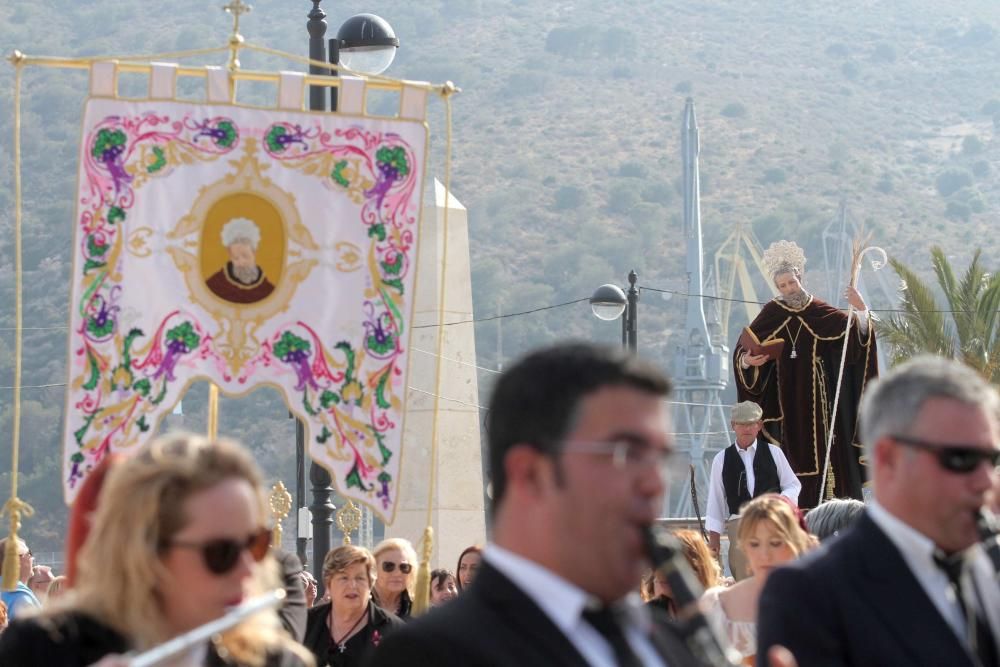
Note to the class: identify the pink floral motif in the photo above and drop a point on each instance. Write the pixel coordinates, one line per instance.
(376, 638)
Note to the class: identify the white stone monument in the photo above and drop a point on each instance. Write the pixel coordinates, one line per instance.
(457, 515)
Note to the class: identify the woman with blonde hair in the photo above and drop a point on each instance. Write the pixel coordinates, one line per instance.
(177, 538)
(771, 532)
(395, 576)
(655, 589)
(346, 630)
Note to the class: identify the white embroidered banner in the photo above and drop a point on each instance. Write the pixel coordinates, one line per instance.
(248, 247)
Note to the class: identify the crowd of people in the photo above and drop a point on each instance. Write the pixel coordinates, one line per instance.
(176, 536)
(579, 438)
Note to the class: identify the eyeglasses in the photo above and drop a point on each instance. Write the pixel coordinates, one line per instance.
(625, 453)
(221, 555)
(389, 566)
(961, 459)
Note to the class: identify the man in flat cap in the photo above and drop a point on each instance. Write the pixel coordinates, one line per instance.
(749, 467)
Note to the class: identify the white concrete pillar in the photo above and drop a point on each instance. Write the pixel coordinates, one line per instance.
(457, 515)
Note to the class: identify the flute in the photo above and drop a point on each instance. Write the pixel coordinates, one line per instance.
(183, 642)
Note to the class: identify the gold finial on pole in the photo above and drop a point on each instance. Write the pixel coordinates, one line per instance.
(236, 8)
(280, 503)
(348, 519)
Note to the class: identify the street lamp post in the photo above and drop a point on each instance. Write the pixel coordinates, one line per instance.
(367, 44)
(609, 302)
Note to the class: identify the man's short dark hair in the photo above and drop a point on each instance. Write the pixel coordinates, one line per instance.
(535, 400)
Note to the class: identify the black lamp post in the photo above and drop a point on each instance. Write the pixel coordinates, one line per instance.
(366, 44)
(609, 302)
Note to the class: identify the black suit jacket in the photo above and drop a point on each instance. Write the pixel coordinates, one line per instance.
(494, 624)
(855, 602)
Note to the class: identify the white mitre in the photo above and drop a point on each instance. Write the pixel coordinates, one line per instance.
(784, 257)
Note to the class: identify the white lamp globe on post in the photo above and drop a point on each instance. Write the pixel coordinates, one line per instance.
(367, 44)
(608, 302)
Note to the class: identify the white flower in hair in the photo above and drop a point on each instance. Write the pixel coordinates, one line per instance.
(240, 229)
(784, 257)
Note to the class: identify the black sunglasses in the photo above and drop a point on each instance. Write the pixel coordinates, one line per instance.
(962, 459)
(389, 566)
(221, 555)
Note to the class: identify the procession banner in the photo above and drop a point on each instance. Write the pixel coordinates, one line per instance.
(247, 247)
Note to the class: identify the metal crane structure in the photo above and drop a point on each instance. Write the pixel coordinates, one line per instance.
(701, 361)
(739, 270)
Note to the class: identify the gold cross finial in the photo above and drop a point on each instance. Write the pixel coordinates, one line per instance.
(237, 8)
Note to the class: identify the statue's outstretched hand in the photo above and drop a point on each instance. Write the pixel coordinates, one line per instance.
(854, 298)
(755, 359)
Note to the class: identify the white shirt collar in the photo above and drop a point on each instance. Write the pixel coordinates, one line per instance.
(562, 601)
(749, 450)
(911, 542)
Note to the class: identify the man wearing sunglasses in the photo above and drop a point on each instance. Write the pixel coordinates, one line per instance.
(909, 582)
(578, 436)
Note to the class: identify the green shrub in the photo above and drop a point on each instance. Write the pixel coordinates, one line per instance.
(951, 181)
(569, 197)
(734, 110)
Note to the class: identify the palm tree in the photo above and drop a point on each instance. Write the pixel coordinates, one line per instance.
(967, 329)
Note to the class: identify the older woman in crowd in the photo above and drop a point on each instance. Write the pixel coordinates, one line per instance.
(344, 631)
(443, 586)
(656, 591)
(395, 576)
(178, 538)
(771, 532)
(468, 564)
(827, 520)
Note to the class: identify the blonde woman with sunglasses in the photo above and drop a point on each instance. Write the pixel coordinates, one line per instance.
(177, 538)
(395, 575)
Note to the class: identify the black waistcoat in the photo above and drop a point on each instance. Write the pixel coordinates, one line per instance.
(734, 478)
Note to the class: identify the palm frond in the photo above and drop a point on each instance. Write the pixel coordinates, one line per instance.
(920, 327)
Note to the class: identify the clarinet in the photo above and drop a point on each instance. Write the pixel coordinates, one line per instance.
(667, 556)
(988, 524)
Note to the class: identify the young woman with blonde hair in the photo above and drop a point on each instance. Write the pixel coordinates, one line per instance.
(178, 537)
(771, 532)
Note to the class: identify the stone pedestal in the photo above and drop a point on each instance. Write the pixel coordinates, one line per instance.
(457, 515)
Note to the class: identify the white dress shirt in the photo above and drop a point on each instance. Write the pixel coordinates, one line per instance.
(564, 604)
(717, 512)
(918, 552)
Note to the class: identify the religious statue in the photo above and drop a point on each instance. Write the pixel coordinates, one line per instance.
(796, 383)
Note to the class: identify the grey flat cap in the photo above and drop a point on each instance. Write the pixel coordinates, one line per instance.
(746, 412)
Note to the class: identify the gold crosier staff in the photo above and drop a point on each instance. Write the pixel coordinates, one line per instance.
(859, 251)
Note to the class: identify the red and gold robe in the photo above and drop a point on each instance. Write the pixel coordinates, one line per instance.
(225, 285)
